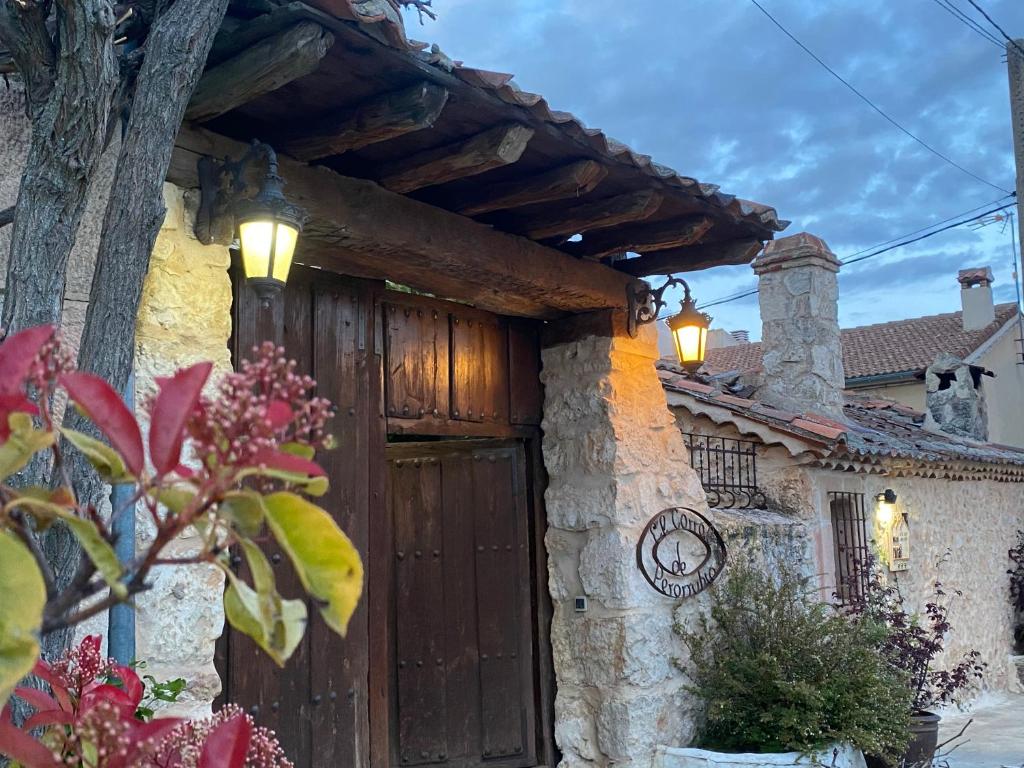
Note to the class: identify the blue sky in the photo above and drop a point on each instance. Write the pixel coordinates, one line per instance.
(713, 89)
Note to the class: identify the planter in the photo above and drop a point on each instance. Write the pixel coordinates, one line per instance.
(924, 738)
(689, 757)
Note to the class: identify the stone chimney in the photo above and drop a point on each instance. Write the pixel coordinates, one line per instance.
(803, 356)
(955, 401)
(976, 297)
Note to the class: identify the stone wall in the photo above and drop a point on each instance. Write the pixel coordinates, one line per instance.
(184, 317)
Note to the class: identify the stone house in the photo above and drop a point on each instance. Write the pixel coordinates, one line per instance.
(857, 474)
(888, 360)
(505, 438)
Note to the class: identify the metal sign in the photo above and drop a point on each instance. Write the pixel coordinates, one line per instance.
(680, 553)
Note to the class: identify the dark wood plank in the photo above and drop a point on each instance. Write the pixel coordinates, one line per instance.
(417, 374)
(265, 67)
(233, 39)
(358, 228)
(416, 503)
(379, 119)
(691, 258)
(493, 148)
(572, 180)
(672, 233)
(479, 367)
(526, 395)
(589, 216)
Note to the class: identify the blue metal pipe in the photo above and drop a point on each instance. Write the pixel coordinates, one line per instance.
(121, 617)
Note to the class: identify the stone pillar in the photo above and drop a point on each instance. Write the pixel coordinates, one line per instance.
(955, 400)
(614, 457)
(803, 357)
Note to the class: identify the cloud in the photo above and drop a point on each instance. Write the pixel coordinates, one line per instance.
(713, 89)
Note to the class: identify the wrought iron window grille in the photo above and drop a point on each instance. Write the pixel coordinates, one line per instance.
(852, 544)
(727, 469)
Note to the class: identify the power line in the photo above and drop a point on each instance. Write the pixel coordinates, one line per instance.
(878, 250)
(871, 104)
(970, 23)
(1001, 31)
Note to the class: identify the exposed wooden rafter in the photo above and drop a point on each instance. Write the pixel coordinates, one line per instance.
(236, 35)
(494, 148)
(670, 233)
(269, 64)
(379, 119)
(590, 216)
(691, 258)
(356, 227)
(572, 180)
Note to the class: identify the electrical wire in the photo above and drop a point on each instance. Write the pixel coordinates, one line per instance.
(888, 245)
(970, 23)
(1001, 31)
(871, 104)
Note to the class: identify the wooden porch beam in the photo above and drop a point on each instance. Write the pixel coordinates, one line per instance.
(502, 145)
(691, 258)
(589, 216)
(670, 233)
(379, 119)
(269, 64)
(358, 228)
(572, 180)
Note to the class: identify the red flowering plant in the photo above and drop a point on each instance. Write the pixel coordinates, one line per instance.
(253, 444)
(93, 719)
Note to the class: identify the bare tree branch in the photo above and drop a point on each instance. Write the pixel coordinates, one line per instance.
(23, 32)
(6, 216)
(423, 8)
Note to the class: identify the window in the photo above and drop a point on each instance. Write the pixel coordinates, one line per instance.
(849, 532)
(727, 469)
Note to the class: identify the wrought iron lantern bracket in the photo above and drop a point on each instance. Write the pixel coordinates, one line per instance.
(645, 302)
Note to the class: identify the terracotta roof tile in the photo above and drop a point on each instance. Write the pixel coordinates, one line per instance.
(742, 402)
(831, 433)
(873, 350)
(694, 386)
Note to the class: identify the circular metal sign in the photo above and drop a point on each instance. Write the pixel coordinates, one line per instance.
(680, 553)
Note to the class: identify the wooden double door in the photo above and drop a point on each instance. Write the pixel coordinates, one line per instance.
(446, 661)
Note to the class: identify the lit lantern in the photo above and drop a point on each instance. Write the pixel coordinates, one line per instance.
(886, 508)
(690, 333)
(268, 231)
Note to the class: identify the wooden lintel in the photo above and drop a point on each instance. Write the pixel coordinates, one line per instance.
(356, 227)
(379, 119)
(572, 180)
(669, 233)
(233, 38)
(691, 258)
(269, 64)
(495, 147)
(590, 216)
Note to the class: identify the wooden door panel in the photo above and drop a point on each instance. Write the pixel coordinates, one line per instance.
(526, 396)
(417, 343)
(479, 368)
(463, 661)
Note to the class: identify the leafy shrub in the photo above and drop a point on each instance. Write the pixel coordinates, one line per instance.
(778, 671)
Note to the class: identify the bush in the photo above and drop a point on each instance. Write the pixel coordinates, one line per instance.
(778, 671)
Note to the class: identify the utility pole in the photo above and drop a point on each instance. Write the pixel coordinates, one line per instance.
(1015, 64)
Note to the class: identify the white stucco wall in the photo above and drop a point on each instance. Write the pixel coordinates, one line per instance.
(1004, 394)
(184, 317)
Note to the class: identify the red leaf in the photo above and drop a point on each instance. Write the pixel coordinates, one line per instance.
(20, 746)
(107, 410)
(279, 414)
(227, 745)
(43, 672)
(175, 403)
(139, 735)
(286, 462)
(49, 717)
(17, 354)
(39, 700)
(111, 694)
(130, 682)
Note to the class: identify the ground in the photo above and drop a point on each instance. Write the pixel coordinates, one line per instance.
(996, 737)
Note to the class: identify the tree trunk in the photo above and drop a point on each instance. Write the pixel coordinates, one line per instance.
(69, 128)
(175, 55)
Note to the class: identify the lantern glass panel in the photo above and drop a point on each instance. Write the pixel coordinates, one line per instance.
(690, 343)
(257, 239)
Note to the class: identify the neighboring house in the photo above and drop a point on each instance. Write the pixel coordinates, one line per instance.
(505, 621)
(794, 444)
(888, 360)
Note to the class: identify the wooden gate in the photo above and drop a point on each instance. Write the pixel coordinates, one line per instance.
(462, 661)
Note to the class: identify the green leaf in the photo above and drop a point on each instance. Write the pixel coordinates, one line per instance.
(22, 599)
(98, 550)
(105, 459)
(244, 510)
(324, 558)
(176, 498)
(310, 484)
(24, 442)
(275, 624)
(299, 449)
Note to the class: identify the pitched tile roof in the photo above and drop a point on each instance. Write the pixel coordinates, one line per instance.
(872, 350)
(873, 429)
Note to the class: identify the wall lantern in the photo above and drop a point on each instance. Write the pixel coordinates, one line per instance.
(886, 508)
(266, 224)
(689, 327)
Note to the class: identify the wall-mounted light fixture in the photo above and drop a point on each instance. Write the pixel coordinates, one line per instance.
(886, 512)
(266, 224)
(689, 327)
